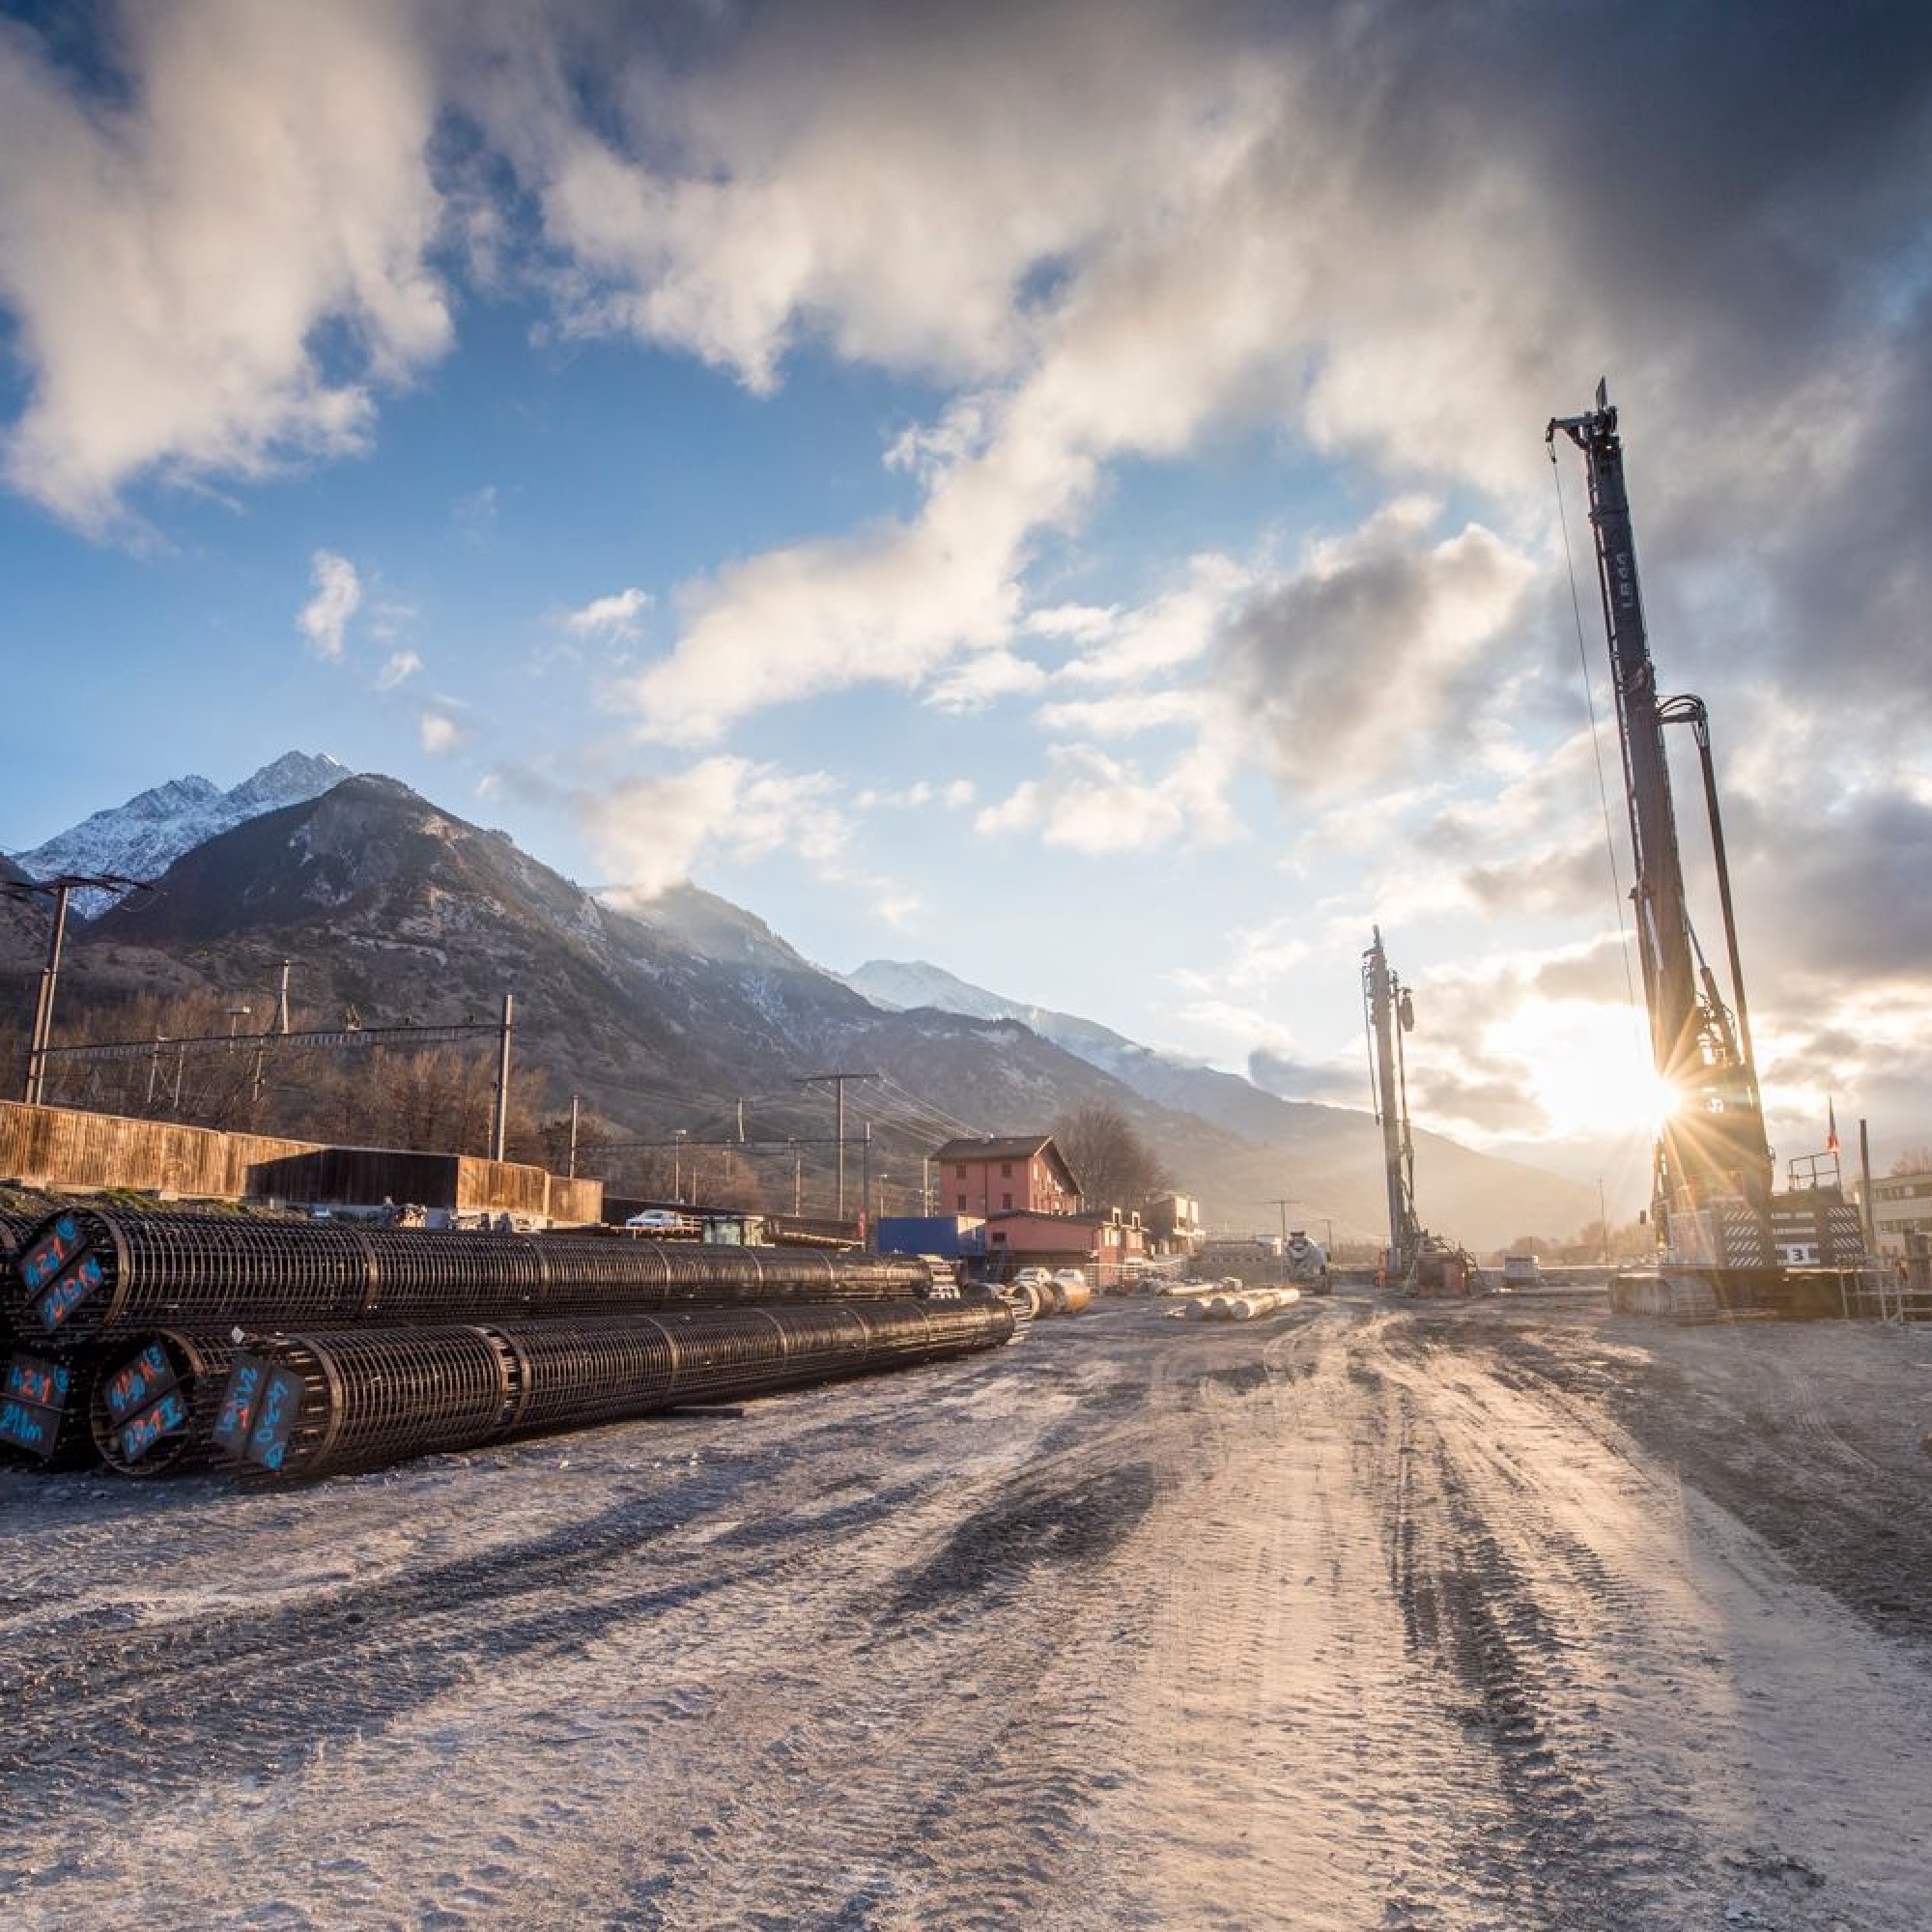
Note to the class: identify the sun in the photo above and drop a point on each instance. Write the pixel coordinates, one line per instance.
(1594, 1078)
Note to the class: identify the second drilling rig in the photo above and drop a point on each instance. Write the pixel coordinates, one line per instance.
(1724, 1235)
(1415, 1261)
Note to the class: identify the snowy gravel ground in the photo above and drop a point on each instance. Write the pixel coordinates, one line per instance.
(1503, 1616)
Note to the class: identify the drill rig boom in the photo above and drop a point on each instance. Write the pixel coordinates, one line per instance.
(1713, 1146)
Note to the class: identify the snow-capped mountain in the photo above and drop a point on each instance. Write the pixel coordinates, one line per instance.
(143, 837)
(903, 984)
(670, 1017)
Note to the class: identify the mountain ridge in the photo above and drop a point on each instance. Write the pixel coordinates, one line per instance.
(686, 1010)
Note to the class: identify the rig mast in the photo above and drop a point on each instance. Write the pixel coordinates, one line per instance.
(1713, 1146)
(1723, 1232)
(1391, 1013)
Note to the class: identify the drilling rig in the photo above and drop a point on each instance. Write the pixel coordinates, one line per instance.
(1418, 1262)
(1724, 1235)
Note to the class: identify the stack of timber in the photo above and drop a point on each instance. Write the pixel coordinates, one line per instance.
(159, 1341)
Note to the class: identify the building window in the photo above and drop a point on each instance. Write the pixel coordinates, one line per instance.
(962, 1203)
(959, 1174)
(1006, 1200)
(1006, 1170)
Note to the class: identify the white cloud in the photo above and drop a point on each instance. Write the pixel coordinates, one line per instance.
(1126, 714)
(175, 253)
(475, 514)
(983, 679)
(611, 617)
(651, 831)
(440, 733)
(1168, 633)
(1089, 802)
(401, 667)
(339, 595)
(1084, 623)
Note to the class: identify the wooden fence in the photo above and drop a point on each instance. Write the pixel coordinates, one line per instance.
(60, 1147)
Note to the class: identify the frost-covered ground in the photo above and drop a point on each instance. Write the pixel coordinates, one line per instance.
(1508, 1616)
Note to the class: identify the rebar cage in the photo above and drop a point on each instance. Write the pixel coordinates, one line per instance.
(319, 1404)
(80, 1275)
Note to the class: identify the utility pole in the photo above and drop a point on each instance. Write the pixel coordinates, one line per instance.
(866, 1192)
(34, 1092)
(282, 1000)
(1281, 1260)
(837, 1082)
(1603, 1219)
(499, 1125)
(1865, 1168)
(44, 999)
(570, 1171)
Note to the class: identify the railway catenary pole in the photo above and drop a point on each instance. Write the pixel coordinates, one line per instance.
(40, 1043)
(1281, 1201)
(43, 998)
(837, 1082)
(499, 1125)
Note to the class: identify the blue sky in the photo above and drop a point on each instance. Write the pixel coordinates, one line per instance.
(1056, 490)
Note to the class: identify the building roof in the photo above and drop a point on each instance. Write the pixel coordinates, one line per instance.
(1014, 1147)
(1011, 1146)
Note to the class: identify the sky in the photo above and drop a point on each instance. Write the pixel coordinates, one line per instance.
(1056, 491)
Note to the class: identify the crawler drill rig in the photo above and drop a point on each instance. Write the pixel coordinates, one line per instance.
(1722, 1234)
(1418, 1262)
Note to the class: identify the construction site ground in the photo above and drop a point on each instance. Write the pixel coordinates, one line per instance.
(1507, 1615)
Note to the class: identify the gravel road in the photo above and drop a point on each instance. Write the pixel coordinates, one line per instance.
(1501, 1616)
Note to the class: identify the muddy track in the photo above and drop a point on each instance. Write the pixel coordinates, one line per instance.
(1353, 1618)
(1836, 1483)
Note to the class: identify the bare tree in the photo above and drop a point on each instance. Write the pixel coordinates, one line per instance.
(1916, 1159)
(1113, 1165)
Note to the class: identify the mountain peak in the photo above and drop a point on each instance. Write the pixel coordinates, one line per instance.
(142, 837)
(289, 779)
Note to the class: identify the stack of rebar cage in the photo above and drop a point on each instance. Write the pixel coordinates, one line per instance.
(161, 1340)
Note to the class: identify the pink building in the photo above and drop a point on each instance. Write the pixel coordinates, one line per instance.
(1110, 1248)
(1022, 1174)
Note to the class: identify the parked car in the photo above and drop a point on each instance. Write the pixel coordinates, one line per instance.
(1520, 1271)
(1070, 1277)
(1034, 1277)
(655, 1220)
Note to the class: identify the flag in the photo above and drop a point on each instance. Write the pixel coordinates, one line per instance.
(1831, 1126)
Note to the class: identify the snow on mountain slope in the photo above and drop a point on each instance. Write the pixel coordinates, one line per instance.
(144, 837)
(1235, 1102)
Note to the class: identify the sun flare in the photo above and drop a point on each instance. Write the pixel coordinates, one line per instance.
(1595, 1077)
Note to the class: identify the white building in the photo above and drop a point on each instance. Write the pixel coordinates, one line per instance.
(1900, 1202)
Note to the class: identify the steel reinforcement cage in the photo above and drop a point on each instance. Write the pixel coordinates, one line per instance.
(321, 1403)
(44, 1404)
(79, 1275)
(155, 1400)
